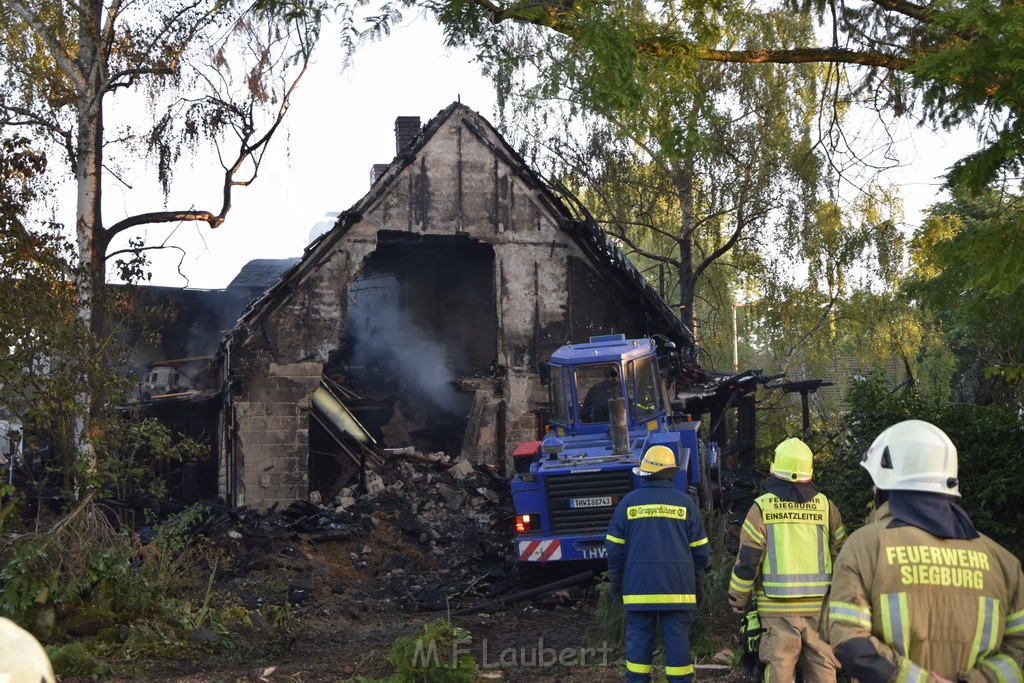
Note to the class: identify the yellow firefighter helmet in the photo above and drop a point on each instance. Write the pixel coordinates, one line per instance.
(658, 460)
(793, 461)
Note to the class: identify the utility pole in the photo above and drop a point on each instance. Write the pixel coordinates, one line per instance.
(735, 338)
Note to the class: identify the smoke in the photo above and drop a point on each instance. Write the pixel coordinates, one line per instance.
(202, 341)
(386, 336)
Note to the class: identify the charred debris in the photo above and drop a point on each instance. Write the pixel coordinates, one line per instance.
(424, 531)
(428, 533)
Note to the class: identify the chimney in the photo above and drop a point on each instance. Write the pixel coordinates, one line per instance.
(406, 128)
(376, 172)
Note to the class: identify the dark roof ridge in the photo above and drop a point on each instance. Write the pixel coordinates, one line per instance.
(577, 221)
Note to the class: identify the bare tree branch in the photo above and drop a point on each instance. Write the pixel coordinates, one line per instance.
(32, 118)
(909, 9)
(214, 220)
(138, 250)
(248, 152)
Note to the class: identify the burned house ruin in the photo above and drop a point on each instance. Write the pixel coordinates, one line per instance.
(420, 319)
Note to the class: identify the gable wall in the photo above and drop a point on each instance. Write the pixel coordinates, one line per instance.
(456, 186)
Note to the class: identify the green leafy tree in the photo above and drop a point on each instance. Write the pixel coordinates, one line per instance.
(952, 63)
(47, 361)
(799, 316)
(846, 316)
(689, 167)
(967, 271)
(830, 309)
(712, 176)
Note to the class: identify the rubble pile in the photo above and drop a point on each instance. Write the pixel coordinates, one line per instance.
(428, 534)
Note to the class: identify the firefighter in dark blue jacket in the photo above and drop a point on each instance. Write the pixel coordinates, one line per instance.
(656, 546)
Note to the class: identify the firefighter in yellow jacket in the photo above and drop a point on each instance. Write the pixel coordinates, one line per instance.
(919, 594)
(789, 540)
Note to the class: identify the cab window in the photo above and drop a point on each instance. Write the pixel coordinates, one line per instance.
(642, 388)
(556, 387)
(597, 384)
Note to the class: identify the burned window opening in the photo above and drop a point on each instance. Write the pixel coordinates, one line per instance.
(332, 464)
(420, 317)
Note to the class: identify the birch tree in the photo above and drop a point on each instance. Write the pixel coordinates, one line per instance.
(206, 70)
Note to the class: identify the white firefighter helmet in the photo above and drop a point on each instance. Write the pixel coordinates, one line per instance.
(658, 460)
(793, 461)
(913, 455)
(22, 658)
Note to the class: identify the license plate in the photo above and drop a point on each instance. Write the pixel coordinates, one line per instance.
(595, 502)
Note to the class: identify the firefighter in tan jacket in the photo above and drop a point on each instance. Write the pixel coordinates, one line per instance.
(789, 540)
(919, 594)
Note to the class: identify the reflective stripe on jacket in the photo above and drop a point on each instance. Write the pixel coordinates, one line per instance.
(656, 543)
(786, 554)
(904, 603)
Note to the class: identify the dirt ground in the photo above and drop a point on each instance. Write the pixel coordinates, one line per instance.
(322, 595)
(340, 640)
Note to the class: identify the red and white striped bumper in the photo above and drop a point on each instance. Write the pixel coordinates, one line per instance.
(540, 551)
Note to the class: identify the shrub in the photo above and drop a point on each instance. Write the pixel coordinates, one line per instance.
(55, 572)
(715, 626)
(609, 626)
(76, 659)
(130, 452)
(989, 441)
(9, 504)
(82, 578)
(437, 655)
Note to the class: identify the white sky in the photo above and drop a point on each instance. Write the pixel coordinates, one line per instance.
(339, 125)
